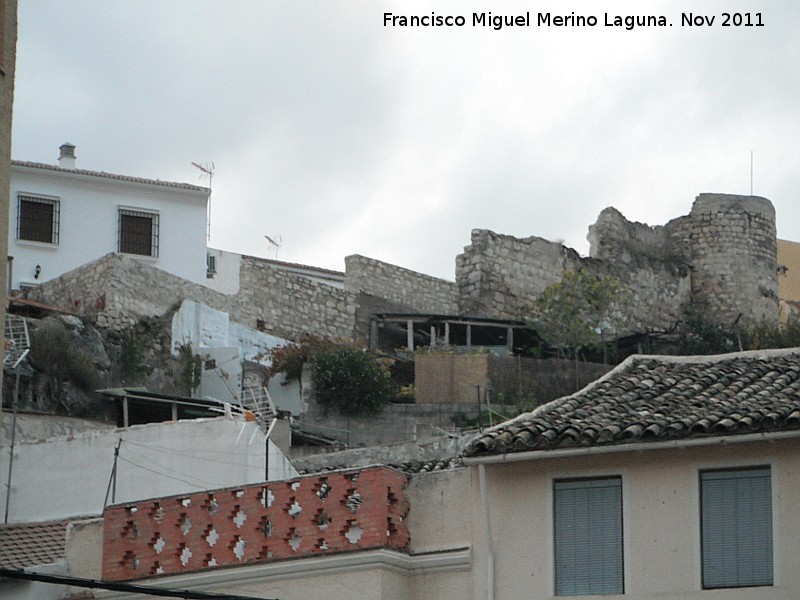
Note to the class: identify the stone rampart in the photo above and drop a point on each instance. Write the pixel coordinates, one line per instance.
(415, 291)
(734, 256)
(721, 257)
(381, 287)
(119, 290)
(498, 276)
(290, 304)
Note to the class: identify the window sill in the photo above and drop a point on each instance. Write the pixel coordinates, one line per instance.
(146, 257)
(33, 244)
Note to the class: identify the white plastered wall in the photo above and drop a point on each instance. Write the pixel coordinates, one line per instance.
(661, 523)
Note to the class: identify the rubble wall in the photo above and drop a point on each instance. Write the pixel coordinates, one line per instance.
(499, 275)
(735, 256)
(290, 304)
(118, 290)
(721, 257)
(415, 291)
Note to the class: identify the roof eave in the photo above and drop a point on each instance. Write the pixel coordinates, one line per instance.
(533, 455)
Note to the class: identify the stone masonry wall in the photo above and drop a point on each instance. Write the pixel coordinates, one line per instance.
(499, 275)
(290, 304)
(722, 257)
(735, 256)
(383, 287)
(418, 292)
(119, 290)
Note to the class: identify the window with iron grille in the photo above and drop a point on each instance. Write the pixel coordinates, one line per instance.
(138, 232)
(38, 218)
(736, 527)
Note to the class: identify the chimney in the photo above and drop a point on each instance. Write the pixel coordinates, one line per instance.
(66, 159)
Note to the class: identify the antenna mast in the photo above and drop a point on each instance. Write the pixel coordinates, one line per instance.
(277, 244)
(210, 172)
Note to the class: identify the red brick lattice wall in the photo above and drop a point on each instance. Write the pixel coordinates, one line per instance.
(308, 516)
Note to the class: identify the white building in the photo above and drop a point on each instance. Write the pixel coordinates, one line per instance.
(62, 217)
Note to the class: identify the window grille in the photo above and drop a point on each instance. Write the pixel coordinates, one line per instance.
(38, 219)
(138, 232)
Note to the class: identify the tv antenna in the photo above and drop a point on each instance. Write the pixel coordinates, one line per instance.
(209, 171)
(751, 172)
(277, 245)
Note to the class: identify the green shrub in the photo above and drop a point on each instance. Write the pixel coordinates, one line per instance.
(351, 381)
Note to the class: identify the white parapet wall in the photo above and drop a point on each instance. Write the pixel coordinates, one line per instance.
(70, 476)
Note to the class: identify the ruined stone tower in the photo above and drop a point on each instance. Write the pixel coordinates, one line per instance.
(733, 252)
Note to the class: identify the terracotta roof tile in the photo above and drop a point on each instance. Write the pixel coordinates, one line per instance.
(25, 545)
(657, 398)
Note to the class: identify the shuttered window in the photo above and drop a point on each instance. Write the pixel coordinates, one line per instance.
(588, 536)
(138, 232)
(736, 527)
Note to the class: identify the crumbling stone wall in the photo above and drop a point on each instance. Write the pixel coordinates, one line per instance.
(403, 287)
(119, 290)
(290, 304)
(735, 256)
(382, 287)
(498, 276)
(721, 257)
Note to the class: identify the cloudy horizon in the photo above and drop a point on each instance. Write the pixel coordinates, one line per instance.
(338, 135)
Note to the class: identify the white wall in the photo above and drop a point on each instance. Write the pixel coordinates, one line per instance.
(68, 476)
(205, 327)
(226, 278)
(88, 223)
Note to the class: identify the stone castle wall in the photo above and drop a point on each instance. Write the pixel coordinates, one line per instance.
(498, 276)
(401, 287)
(381, 287)
(119, 290)
(735, 256)
(721, 257)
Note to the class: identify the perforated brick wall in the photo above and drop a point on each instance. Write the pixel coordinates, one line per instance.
(307, 516)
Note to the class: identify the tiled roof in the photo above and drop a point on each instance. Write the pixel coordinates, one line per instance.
(28, 544)
(298, 266)
(170, 184)
(659, 398)
(409, 468)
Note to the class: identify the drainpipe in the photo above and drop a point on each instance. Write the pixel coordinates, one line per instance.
(9, 274)
(488, 525)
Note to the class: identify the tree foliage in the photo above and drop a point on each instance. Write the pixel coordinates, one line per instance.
(700, 334)
(351, 381)
(579, 310)
(346, 378)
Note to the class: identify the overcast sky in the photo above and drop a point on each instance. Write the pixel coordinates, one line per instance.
(342, 136)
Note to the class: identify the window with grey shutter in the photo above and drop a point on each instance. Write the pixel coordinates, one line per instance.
(588, 536)
(736, 527)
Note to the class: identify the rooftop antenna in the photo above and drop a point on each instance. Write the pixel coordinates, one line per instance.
(751, 172)
(207, 170)
(277, 244)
